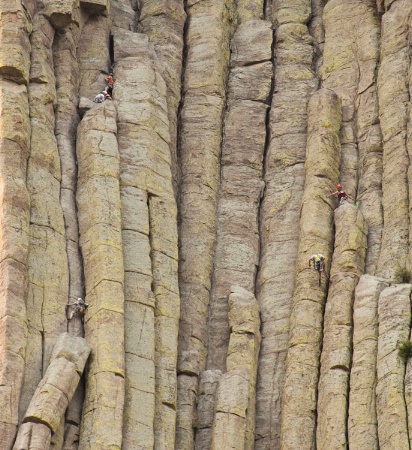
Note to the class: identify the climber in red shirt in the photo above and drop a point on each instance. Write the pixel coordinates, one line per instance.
(342, 195)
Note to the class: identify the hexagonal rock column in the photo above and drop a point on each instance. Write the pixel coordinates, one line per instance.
(150, 245)
(349, 65)
(284, 178)
(234, 422)
(362, 421)
(53, 394)
(203, 104)
(394, 117)
(316, 236)
(348, 264)
(99, 212)
(394, 312)
(15, 28)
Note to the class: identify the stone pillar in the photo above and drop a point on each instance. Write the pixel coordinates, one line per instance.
(316, 236)
(362, 421)
(54, 393)
(348, 265)
(99, 212)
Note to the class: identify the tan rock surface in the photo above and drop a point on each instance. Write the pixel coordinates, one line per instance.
(206, 69)
(362, 420)
(99, 213)
(394, 312)
(349, 68)
(48, 267)
(316, 236)
(294, 83)
(54, 393)
(14, 240)
(149, 243)
(393, 95)
(163, 22)
(237, 240)
(234, 422)
(348, 264)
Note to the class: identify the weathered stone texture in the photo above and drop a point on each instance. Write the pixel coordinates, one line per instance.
(234, 422)
(294, 83)
(163, 21)
(14, 242)
(48, 268)
(350, 56)
(54, 392)
(237, 240)
(362, 420)
(316, 236)
(93, 55)
(99, 212)
(149, 244)
(205, 75)
(394, 95)
(15, 28)
(348, 265)
(208, 384)
(394, 313)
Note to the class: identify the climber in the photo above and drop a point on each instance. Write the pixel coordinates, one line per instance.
(110, 82)
(78, 306)
(342, 195)
(100, 97)
(318, 263)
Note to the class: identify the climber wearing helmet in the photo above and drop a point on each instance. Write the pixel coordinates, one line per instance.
(342, 195)
(100, 98)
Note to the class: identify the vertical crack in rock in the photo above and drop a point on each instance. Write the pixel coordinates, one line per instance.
(394, 97)
(316, 236)
(237, 241)
(66, 70)
(295, 82)
(207, 39)
(349, 66)
(163, 22)
(15, 21)
(93, 54)
(348, 265)
(151, 226)
(234, 421)
(48, 266)
(362, 420)
(99, 213)
(53, 393)
(394, 312)
(67, 119)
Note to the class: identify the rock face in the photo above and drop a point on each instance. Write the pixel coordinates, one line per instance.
(184, 211)
(54, 393)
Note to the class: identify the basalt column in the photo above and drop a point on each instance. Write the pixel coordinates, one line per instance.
(99, 212)
(394, 97)
(163, 21)
(350, 55)
(394, 312)
(15, 22)
(294, 83)
(316, 236)
(48, 267)
(207, 61)
(362, 420)
(241, 187)
(149, 230)
(348, 264)
(234, 421)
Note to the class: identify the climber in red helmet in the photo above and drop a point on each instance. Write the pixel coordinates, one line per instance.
(342, 195)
